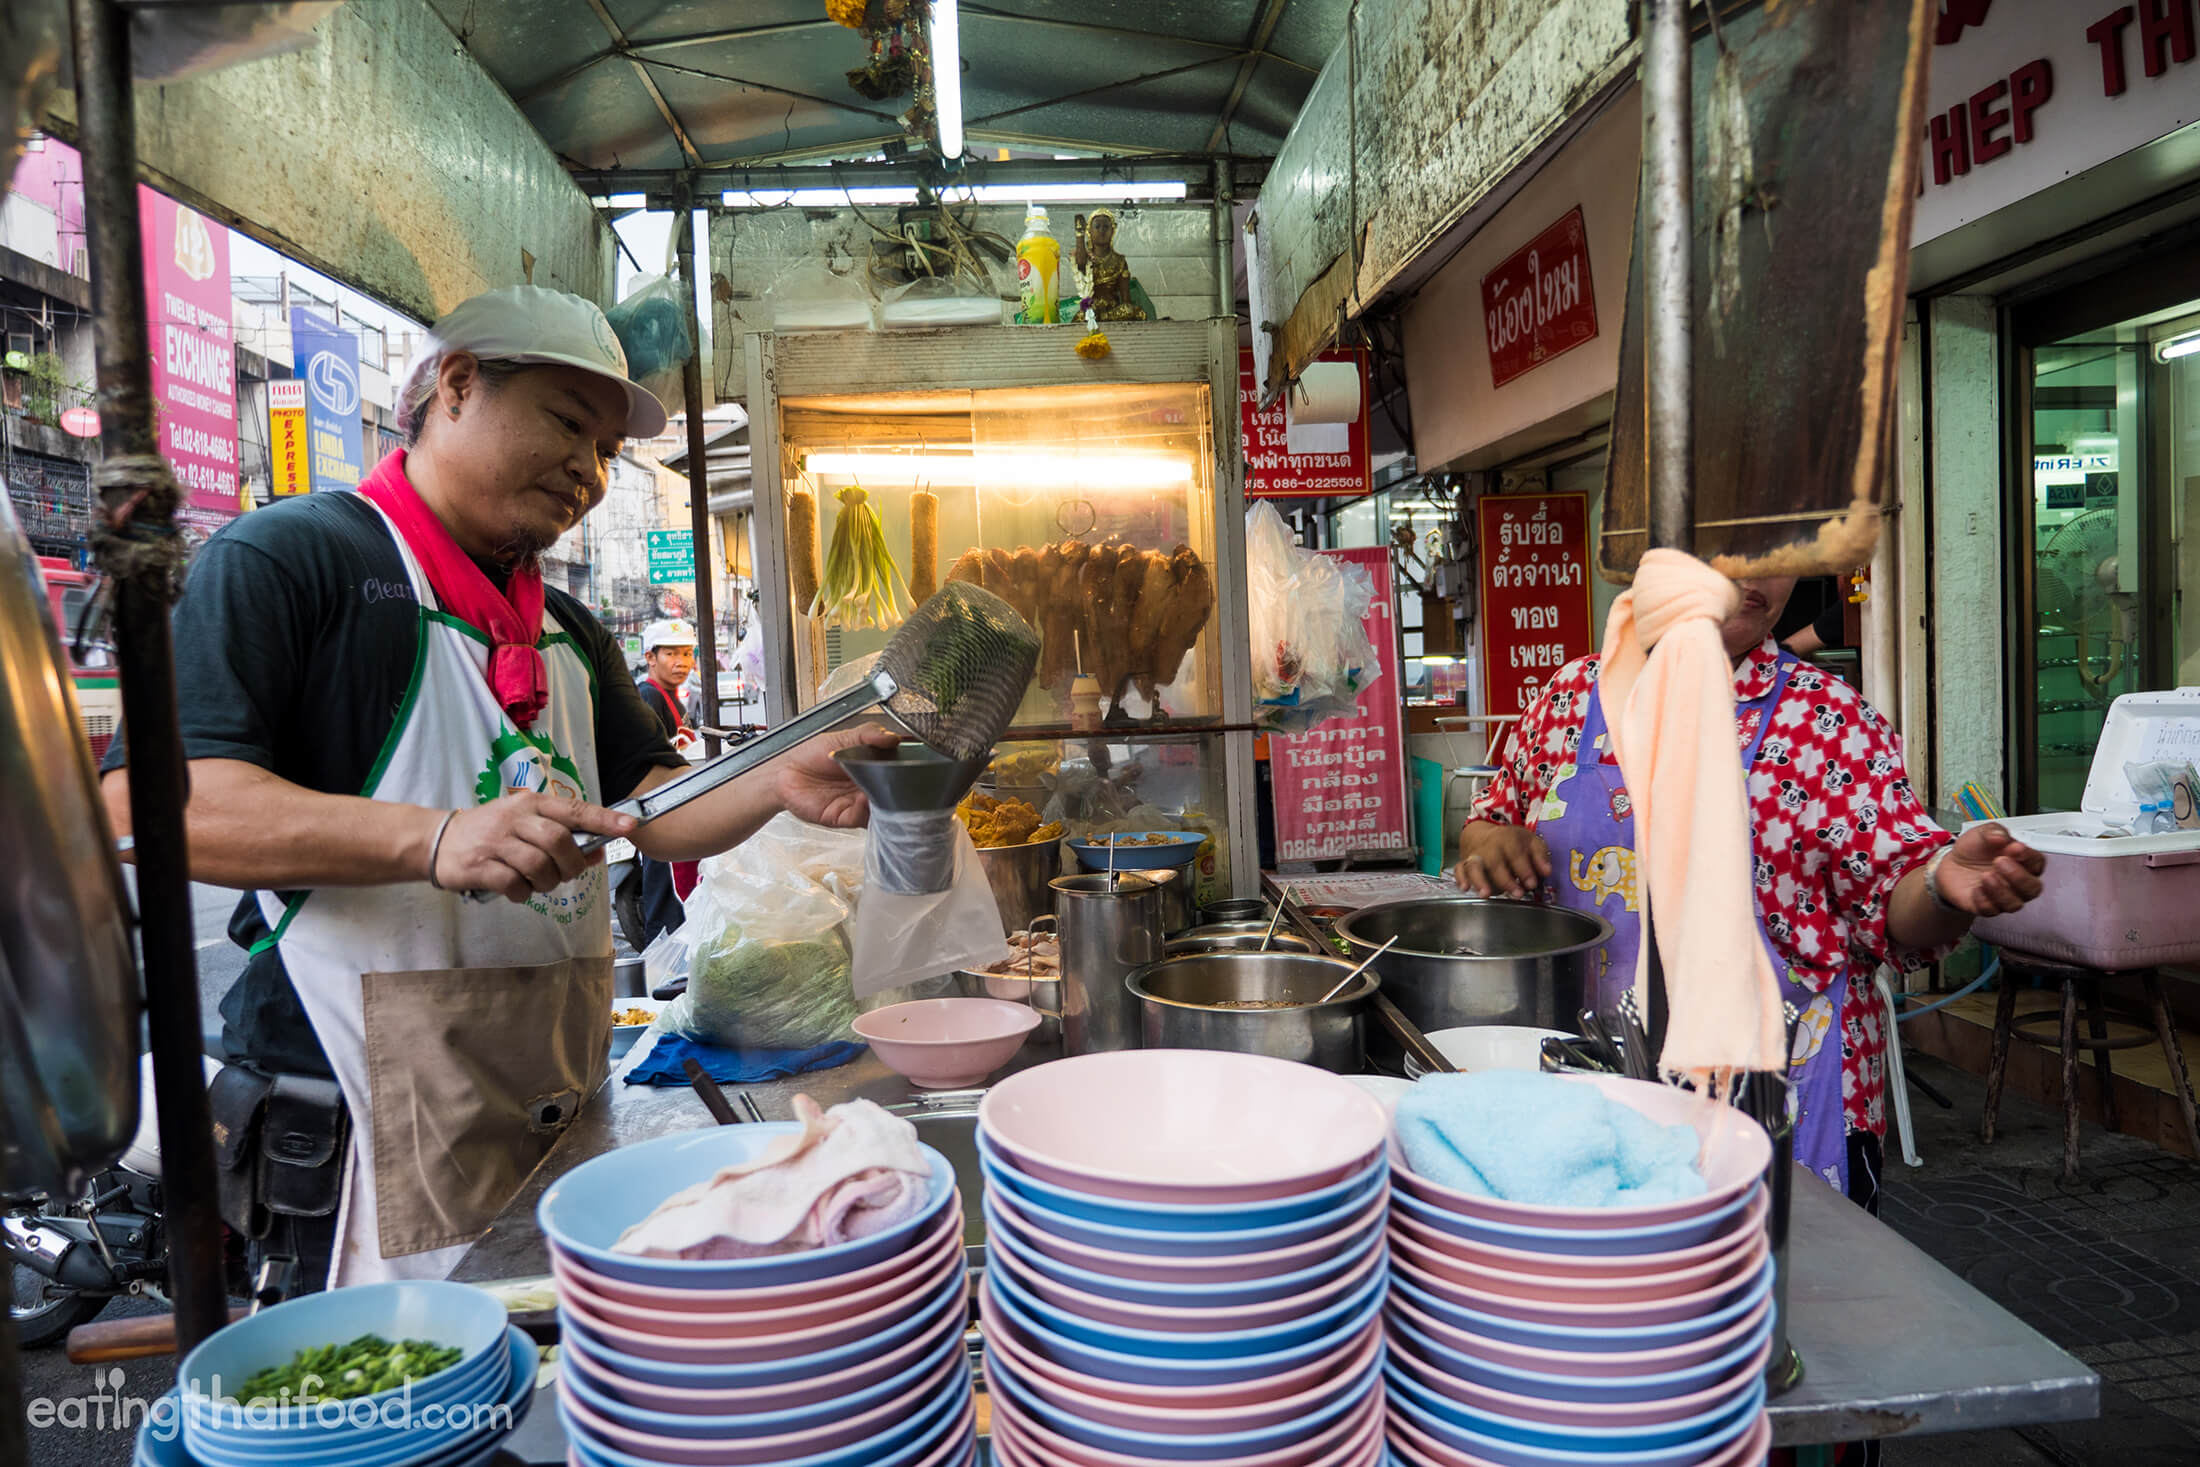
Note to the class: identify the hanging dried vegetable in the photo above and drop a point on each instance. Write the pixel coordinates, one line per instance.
(862, 588)
(924, 545)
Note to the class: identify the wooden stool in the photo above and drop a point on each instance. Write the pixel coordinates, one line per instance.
(2080, 982)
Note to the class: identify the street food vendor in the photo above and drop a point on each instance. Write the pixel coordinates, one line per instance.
(1850, 869)
(384, 708)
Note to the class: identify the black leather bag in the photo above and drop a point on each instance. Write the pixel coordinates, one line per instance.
(302, 1141)
(236, 1098)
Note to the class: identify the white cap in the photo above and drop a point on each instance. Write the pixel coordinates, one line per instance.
(674, 633)
(530, 323)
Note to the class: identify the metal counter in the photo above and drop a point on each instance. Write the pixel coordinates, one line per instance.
(1893, 1344)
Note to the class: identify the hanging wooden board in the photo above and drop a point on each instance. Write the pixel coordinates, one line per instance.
(1808, 126)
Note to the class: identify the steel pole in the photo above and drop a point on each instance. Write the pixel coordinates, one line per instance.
(1225, 242)
(138, 547)
(706, 566)
(1669, 332)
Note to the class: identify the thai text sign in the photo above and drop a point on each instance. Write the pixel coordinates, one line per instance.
(1540, 303)
(1285, 460)
(326, 358)
(671, 557)
(286, 437)
(1341, 787)
(194, 358)
(1536, 614)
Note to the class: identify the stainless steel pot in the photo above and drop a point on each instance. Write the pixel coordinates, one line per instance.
(1111, 927)
(1220, 937)
(1178, 996)
(1235, 909)
(1463, 960)
(1177, 907)
(1019, 877)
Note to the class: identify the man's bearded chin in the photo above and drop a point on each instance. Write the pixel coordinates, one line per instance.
(523, 549)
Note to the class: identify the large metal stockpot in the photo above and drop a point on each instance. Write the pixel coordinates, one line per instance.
(1233, 937)
(1179, 998)
(1466, 960)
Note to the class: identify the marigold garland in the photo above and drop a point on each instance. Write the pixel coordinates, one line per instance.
(1094, 346)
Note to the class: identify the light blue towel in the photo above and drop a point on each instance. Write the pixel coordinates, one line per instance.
(1524, 1136)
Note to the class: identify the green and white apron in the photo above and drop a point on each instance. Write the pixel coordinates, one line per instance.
(465, 1035)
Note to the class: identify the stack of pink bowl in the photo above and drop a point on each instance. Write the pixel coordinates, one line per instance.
(1186, 1263)
(1634, 1336)
(844, 1356)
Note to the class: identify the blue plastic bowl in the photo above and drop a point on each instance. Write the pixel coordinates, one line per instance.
(1550, 1435)
(1001, 1376)
(472, 1441)
(951, 1296)
(1581, 1338)
(1174, 1244)
(272, 1439)
(1632, 1447)
(1595, 1390)
(897, 1446)
(760, 1423)
(585, 1211)
(1658, 1238)
(446, 1313)
(1138, 1369)
(1171, 1295)
(1179, 850)
(1174, 1217)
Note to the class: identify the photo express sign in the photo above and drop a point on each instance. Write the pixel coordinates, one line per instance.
(326, 359)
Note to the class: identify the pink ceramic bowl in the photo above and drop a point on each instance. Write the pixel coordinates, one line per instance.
(1605, 1365)
(1044, 1379)
(947, 1043)
(750, 1400)
(698, 1452)
(1580, 1413)
(754, 1348)
(778, 1296)
(1183, 1125)
(1336, 1446)
(1258, 1392)
(1160, 1268)
(575, 1287)
(1595, 1316)
(1585, 1265)
(1102, 1310)
(1643, 1288)
(1732, 1154)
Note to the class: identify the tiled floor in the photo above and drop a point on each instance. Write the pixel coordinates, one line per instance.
(2108, 1267)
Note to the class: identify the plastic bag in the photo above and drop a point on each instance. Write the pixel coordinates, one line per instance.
(768, 957)
(652, 327)
(2169, 787)
(935, 300)
(811, 296)
(904, 937)
(1308, 612)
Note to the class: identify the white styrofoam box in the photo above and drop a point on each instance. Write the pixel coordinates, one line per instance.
(2114, 902)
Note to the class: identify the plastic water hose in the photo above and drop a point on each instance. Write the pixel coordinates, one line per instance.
(1993, 967)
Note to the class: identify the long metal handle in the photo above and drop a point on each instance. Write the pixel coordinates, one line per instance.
(1408, 1034)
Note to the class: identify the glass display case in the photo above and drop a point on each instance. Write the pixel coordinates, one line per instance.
(1103, 500)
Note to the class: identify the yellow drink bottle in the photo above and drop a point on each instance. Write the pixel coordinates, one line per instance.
(1038, 257)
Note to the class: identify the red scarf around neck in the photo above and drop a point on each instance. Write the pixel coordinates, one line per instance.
(510, 618)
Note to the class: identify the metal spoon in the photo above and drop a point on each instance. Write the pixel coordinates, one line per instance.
(1270, 935)
(1356, 972)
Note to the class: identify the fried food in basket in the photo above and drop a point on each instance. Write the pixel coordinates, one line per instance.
(994, 823)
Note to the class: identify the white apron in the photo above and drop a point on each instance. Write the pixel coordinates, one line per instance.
(465, 1035)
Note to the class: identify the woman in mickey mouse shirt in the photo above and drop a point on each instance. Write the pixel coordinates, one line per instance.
(1850, 869)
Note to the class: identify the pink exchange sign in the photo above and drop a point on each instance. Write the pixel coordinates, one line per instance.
(194, 357)
(1341, 787)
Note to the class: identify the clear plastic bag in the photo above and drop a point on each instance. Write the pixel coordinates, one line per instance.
(768, 956)
(1308, 613)
(904, 937)
(652, 327)
(935, 300)
(812, 296)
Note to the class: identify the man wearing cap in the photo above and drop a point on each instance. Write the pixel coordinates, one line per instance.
(385, 709)
(668, 655)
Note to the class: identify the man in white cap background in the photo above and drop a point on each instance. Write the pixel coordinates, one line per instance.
(384, 708)
(668, 659)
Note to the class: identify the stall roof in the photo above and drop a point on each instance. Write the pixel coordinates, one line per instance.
(652, 85)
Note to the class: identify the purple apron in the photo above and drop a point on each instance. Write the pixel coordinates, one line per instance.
(1589, 824)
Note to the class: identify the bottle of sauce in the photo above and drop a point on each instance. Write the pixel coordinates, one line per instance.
(1038, 256)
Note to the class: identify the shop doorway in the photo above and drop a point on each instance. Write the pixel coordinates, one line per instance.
(2106, 483)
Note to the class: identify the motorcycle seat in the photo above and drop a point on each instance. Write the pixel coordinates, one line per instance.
(142, 1155)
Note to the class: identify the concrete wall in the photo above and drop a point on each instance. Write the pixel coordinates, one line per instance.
(381, 155)
(1970, 714)
(1424, 110)
(1170, 248)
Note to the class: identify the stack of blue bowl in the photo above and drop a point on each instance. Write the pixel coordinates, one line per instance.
(456, 1417)
(1185, 1295)
(844, 1356)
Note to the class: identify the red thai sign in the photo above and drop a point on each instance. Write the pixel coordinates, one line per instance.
(1536, 614)
(1341, 787)
(1286, 460)
(1540, 303)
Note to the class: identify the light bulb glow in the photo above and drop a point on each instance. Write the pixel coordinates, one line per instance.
(947, 85)
(2178, 346)
(1015, 470)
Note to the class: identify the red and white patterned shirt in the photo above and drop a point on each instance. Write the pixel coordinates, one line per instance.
(1836, 826)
